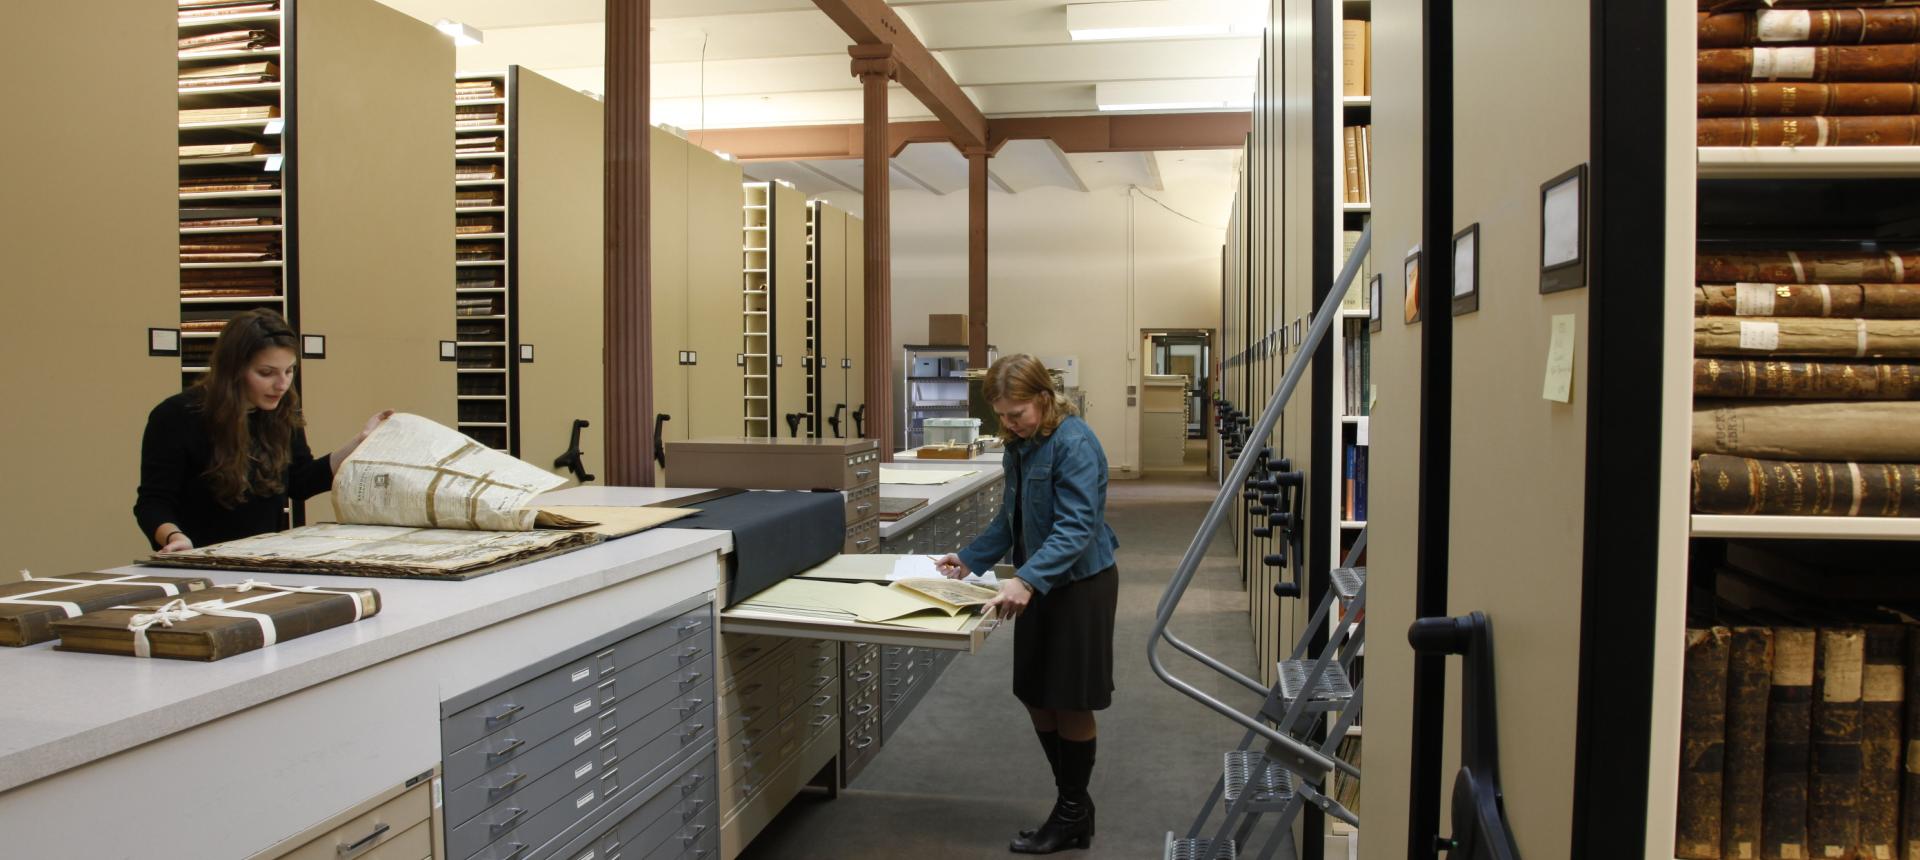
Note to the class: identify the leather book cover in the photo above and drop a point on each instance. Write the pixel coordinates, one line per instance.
(210, 635)
(1731, 100)
(1350, 141)
(1809, 131)
(1743, 786)
(1882, 696)
(1893, 63)
(1835, 338)
(1783, 823)
(1854, 26)
(29, 608)
(1833, 784)
(1807, 267)
(1910, 775)
(1742, 485)
(1876, 430)
(1703, 726)
(1805, 380)
(1873, 301)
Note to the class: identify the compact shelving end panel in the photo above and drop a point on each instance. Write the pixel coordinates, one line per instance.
(483, 260)
(756, 335)
(788, 228)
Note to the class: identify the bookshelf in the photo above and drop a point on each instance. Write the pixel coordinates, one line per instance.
(815, 363)
(788, 279)
(756, 309)
(1350, 336)
(486, 286)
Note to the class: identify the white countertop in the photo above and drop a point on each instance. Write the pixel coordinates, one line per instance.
(939, 496)
(67, 709)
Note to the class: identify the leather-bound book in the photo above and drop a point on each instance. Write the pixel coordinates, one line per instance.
(1743, 485)
(1809, 131)
(215, 624)
(1838, 338)
(1882, 696)
(1810, 27)
(1886, 431)
(1783, 822)
(1805, 380)
(1731, 100)
(1743, 786)
(1833, 784)
(1874, 301)
(1893, 63)
(1910, 775)
(1703, 728)
(1807, 267)
(29, 608)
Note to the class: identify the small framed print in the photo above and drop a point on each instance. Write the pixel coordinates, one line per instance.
(1563, 231)
(449, 350)
(1411, 282)
(1466, 270)
(163, 341)
(1374, 288)
(313, 346)
(526, 353)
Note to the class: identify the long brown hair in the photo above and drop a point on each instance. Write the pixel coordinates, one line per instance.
(250, 451)
(1022, 378)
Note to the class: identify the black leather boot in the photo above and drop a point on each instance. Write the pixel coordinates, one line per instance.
(1050, 743)
(1071, 823)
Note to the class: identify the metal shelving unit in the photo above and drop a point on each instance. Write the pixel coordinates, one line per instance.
(756, 323)
(485, 294)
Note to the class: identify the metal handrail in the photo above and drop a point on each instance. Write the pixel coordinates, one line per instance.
(1296, 755)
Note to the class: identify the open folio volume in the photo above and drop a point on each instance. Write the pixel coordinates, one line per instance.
(420, 500)
(894, 590)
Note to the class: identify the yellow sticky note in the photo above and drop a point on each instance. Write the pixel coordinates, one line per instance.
(1559, 384)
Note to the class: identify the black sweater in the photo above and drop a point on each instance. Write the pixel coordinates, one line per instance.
(174, 456)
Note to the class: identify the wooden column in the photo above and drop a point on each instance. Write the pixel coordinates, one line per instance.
(976, 257)
(629, 288)
(874, 66)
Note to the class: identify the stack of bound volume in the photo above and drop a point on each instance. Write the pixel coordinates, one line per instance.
(229, 283)
(476, 144)
(475, 198)
(231, 40)
(224, 150)
(471, 172)
(1819, 74)
(230, 248)
(191, 9)
(224, 115)
(1807, 387)
(475, 225)
(227, 184)
(476, 306)
(468, 116)
(229, 75)
(471, 91)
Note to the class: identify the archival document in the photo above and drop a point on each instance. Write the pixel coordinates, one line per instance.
(414, 472)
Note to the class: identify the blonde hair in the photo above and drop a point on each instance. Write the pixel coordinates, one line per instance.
(1023, 379)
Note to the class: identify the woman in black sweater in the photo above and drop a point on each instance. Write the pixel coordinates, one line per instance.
(219, 460)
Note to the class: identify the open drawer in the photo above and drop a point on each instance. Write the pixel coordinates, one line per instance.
(969, 637)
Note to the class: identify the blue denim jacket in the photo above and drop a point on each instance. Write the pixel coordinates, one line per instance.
(1060, 484)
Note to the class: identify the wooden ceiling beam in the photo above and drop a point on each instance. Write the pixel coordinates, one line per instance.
(871, 22)
(1123, 133)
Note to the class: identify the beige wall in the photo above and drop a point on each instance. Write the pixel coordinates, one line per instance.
(89, 236)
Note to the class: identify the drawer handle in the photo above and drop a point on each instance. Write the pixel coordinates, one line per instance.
(822, 720)
(691, 679)
(494, 791)
(863, 542)
(508, 750)
(693, 809)
(823, 699)
(863, 677)
(863, 710)
(698, 831)
(687, 709)
(693, 730)
(504, 715)
(702, 854)
(693, 783)
(862, 508)
(822, 660)
(864, 743)
(863, 474)
(518, 849)
(379, 830)
(494, 830)
(693, 651)
(691, 626)
(820, 679)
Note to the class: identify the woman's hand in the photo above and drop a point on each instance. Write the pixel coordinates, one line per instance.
(950, 566)
(1014, 594)
(177, 542)
(374, 423)
(336, 458)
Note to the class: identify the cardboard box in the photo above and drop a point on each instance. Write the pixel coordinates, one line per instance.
(947, 329)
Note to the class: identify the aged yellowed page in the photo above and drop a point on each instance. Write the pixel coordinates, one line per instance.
(414, 472)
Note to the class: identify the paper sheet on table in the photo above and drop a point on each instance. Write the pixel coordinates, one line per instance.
(613, 521)
(922, 477)
(413, 472)
(922, 567)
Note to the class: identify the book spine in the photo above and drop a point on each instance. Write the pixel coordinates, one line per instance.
(1807, 267)
(1882, 695)
(1871, 301)
(1749, 676)
(1351, 144)
(1833, 787)
(1742, 485)
(1810, 131)
(1879, 431)
(1804, 380)
(1733, 100)
(1783, 821)
(1703, 730)
(1910, 776)
(1842, 338)
(1890, 63)
(1809, 27)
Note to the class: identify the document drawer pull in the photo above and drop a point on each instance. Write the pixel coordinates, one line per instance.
(693, 809)
(504, 715)
(494, 791)
(823, 699)
(693, 730)
(494, 830)
(864, 743)
(363, 842)
(693, 783)
(687, 709)
(820, 679)
(691, 653)
(822, 720)
(691, 626)
(863, 474)
(863, 710)
(689, 839)
(863, 542)
(862, 508)
(507, 751)
(822, 660)
(692, 679)
(863, 677)
(518, 849)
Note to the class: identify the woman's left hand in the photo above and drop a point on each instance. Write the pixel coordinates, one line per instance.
(374, 422)
(1014, 595)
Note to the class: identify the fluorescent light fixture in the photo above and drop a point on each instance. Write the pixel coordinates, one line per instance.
(462, 34)
(1162, 19)
(1202, 94)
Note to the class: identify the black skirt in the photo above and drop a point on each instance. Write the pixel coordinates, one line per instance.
(1063, 645)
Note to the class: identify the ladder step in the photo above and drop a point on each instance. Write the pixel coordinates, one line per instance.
(1329, 690)
(1250, 771)
(1347, 581)
(1199, 849)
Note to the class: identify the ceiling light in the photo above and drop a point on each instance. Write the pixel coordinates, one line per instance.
(1162, 19)
(462, 34)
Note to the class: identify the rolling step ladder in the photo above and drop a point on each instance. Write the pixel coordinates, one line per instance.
(1286, 759)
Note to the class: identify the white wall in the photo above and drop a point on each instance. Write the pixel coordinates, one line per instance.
(1058, 269)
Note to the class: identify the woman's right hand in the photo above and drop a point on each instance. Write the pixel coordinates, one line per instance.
(178, 542)
(950, 566)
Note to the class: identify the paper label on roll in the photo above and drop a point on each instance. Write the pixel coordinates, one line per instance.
(1753, 300)
(1759, 335)
(1783, 25)
(1774, 64)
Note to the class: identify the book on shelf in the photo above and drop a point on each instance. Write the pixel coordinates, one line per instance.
(1882, 696)
(1350, 141)
(1783, 812)
(1846, 430)
(228, 292)
(1703, 716)
(214, 43)
(214, 184)
(1807, 267)
(239, 221)
(1724, 484)
(1743, 786)
(1366, 163)
(1809, 131)
(1878, 301)
(224, 150)
(1910, 732)
(203, 326)
(1829, 63)
(228, 257)
(1358, 295)
(1807, 336)
(227, 73)
(468, 172)
(197, 246)
(229, 114)
(1355, 42)
(243, 7)
(483, 283)
(1805, 380)
(1833, 784)
(1800, 99)
(1850, 26)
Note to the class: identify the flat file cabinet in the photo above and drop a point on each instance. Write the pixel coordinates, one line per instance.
(551, 759)
(851, 466)
(779, 725)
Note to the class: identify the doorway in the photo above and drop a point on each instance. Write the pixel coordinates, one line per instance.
(1175, 410)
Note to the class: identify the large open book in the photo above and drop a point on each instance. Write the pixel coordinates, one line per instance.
(420, 500)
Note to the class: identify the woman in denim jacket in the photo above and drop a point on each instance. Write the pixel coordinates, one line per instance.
(1052, 526)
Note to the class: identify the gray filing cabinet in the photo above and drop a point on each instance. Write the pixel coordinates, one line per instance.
(610, 742)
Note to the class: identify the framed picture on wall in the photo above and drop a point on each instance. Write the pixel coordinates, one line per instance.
(1412, 283)
(1374, 289)
(1563, 231)
(1466, 270)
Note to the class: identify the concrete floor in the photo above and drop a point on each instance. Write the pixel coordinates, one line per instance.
(964, 773)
